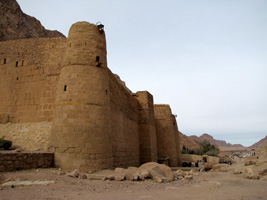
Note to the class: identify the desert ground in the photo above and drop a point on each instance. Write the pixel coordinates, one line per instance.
(204, 185)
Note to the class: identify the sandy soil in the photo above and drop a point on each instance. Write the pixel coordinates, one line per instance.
(207, 185)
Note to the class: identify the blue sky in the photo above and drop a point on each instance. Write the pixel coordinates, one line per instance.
(206, 58)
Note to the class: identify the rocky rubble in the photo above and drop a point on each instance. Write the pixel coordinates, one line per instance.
(157, 172)
(252, 167)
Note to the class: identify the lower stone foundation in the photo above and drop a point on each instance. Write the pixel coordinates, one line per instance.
(11, 161)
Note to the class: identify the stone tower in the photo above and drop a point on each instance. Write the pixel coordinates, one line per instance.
(80, 131)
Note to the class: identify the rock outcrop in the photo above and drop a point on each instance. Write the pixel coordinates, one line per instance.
(188, 142)
(261, 143)
(17, 25)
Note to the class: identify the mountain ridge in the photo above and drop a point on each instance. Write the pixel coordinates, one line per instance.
(261, 143)
(219, 143)
(193, 141)
(15, 24)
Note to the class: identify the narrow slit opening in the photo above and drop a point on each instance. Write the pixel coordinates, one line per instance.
(97, 60)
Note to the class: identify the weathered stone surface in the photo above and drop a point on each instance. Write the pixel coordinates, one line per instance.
(74, 174)
(82, 176)
(248, 173)
(130, 175)
(263, 172)
(220, 167)
(119, 177)
(132, 169)
(179, 174)
(249, 162)
(255, 177)
(25, 183)
(120, 170)
(144, 173)
(188, 177)
(159, 172)
(237, 171)
(208, 166)
(95, 176)
(110, 177)
(18, 161)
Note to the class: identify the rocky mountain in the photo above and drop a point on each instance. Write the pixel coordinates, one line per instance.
(261, 143)
(14, 24)
(219, 143)
(187, 142)
(192, 142)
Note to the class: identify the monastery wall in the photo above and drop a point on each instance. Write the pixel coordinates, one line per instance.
(123, 125)
(167, 134)
(59, 95)
(147, 127)
(28, 77)
(29, 72)
(80, 136)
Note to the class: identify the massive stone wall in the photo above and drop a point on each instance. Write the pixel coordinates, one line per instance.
(29, 136)
(147, 128)
(61, 93)
(123, 125)
(29, 73)
(80, 134)
(167, 134)
(28, 78)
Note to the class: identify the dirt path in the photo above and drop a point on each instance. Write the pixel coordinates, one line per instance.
(208, 185)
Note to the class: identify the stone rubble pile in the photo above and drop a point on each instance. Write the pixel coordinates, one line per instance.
(157, 172)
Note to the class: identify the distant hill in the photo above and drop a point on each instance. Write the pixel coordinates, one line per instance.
(261, 143)
(192, 142)
(219, 143)
(187, 142)
(17, 25)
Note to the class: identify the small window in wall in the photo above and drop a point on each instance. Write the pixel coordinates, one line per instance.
(22, 63)
(17, 78)
(17, 63)
(97, 60)
(65, 87)
(5, 61)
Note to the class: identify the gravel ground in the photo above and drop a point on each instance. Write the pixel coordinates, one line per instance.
(207, 185)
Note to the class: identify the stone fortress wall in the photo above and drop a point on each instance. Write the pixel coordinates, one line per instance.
(58, 95)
